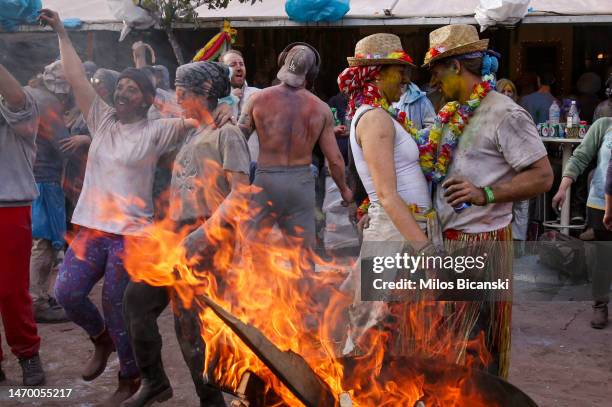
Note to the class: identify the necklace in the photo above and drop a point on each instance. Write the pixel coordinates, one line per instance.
(435, 159)
(448, 127)
(437, 144)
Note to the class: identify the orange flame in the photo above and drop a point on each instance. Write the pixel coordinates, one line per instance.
(265, 280)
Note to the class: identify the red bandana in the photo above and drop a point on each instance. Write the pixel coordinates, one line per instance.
(357, 82)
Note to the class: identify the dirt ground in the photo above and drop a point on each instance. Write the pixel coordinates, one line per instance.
(557, 359)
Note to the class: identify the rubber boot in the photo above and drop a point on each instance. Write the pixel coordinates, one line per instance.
(104, 346)
(211, 396)
(125, 389)
(600, 315)
(154, 387)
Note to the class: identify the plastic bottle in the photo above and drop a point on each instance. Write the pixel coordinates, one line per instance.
(335, 114)
(572, 115)
(576, 119)
(554, 113)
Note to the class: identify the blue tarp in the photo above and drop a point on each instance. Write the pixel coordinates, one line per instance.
(316, 10)
(15, 12)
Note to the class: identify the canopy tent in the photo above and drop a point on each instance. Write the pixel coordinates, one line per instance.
(95, 14)
(89, 11)
(275, 9)
(417, 12)
(444, 8)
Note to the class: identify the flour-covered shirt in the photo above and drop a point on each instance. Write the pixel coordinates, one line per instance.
(500, 141)
(117, 195)
(198, 182)
(18, 152)
(48, 165)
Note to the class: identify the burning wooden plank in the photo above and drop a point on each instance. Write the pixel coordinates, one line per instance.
(291, 369)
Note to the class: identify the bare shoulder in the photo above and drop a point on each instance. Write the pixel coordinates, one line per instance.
(270, 91)
(317, 101)
(375, 124)
(315, 104)
(255, 96)
(375, 118)
(263, 97)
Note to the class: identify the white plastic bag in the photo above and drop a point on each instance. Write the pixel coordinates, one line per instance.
(507, 12)
(339, 231)
(131, 15)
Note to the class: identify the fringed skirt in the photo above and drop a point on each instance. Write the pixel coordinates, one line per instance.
(486, 322)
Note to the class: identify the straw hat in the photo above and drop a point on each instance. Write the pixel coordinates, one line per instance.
(380, 49)
(450, 40)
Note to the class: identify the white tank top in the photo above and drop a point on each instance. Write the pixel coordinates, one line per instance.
(411, 183)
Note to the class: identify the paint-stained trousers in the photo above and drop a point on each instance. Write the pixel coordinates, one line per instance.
(15, 301)
(94, 255)
(142, 306)
(287, 198)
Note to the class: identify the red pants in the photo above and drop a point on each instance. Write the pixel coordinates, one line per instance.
(15, 301)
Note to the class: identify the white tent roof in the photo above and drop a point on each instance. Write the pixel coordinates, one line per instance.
(87, 10)
(276, 9)
(271, 13)
(405, 8)
(444, 8)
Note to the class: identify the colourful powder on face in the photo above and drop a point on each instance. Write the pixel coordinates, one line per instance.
(452, 85)
(391, 80)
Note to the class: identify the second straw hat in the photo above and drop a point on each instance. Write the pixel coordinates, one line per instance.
(450, 40)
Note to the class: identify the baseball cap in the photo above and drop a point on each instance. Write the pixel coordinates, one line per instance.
(298, 62)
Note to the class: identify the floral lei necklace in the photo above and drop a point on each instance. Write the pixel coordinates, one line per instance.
(447, 129)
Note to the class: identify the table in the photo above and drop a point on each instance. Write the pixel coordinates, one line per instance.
(567, 145)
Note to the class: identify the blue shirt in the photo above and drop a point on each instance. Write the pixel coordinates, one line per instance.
(609, 178)
(417, 107)
(537, 104)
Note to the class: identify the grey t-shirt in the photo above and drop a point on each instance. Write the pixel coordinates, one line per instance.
(499, 141)
(17, 153)
(51, 130)
(117, 195)
(198, 182)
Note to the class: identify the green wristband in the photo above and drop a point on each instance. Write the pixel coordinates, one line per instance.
(489, 194)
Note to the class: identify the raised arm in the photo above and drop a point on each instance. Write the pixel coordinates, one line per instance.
(11, 90)
(329, 147)
(246, 122)
(84, 92)
(377, 133)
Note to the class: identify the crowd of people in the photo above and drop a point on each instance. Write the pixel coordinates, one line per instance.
(83, 152)
(586, 170)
